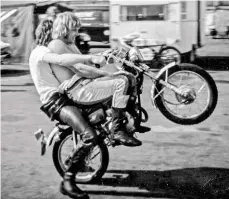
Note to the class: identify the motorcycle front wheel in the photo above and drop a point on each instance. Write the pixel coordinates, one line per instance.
(201, 95)
(94, 166)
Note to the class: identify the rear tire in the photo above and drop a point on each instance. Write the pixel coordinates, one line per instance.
(212, 102)
(96, 175)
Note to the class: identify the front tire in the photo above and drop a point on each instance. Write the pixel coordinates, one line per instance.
(88, 176)
(211, 103)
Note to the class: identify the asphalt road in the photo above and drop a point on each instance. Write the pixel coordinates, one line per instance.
(174, 161)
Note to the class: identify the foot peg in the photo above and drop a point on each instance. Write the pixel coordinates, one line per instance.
(40, 137)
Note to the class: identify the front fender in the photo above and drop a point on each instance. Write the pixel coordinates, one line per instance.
(153, 93)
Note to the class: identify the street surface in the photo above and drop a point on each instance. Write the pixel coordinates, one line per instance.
(174, 161)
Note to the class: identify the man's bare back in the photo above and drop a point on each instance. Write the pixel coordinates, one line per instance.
(59, 47)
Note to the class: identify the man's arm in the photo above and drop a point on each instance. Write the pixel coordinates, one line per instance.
(83, 70)
(63, 51)
(66, 59)
(89, 71)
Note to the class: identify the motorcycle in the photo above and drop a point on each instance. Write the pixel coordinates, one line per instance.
(184, 93)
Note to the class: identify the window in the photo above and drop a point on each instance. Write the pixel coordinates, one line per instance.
(210, 3)
(217, 3)
(142, 12)
(93, 17)
(183, 10)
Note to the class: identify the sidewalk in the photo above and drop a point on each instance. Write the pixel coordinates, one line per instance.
(214, 55)
(214, 48)
(16, 74)
(95, 44)
(14, 67)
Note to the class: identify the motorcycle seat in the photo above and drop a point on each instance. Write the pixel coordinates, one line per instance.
(94, 105)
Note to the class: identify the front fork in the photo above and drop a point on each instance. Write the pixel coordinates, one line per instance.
(135, 107)
(164, 71)
(139, 117)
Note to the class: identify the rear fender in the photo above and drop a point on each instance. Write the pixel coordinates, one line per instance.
(54, 134)
(153, 93)
(46, 141)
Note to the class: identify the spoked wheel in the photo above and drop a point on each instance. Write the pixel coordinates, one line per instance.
(95, 164)
(199, 95)
(170, 54)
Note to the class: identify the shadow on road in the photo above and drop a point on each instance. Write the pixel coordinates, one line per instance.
(181, 183)
(222, 81)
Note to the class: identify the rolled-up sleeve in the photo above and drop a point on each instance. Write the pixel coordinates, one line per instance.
(42, 51)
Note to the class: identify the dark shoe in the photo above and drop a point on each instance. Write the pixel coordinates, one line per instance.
(69, 188)
(118, 129)
(142, 129)
(122, 138)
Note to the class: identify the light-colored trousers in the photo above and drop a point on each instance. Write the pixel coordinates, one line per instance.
(93, 91)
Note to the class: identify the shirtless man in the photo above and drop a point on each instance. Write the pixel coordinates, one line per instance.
(65, 29)
(95, 87)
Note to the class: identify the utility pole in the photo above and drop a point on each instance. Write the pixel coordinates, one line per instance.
(198, 23)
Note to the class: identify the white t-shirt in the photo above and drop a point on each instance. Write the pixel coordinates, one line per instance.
(45, 82)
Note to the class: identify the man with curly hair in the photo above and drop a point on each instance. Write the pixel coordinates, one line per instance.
(92, 86)
(58, 106)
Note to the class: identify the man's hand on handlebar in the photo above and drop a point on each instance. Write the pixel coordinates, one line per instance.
(120, 73)
(98, 60)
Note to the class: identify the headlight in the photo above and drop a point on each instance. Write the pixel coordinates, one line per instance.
(106, 32)
(135, 54)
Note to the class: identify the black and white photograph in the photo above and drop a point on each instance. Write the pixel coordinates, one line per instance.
(114, 99)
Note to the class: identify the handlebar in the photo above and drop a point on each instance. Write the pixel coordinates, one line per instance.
(141, 67)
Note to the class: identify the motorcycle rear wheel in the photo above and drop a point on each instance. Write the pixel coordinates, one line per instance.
(164, 104)
(88, 173)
